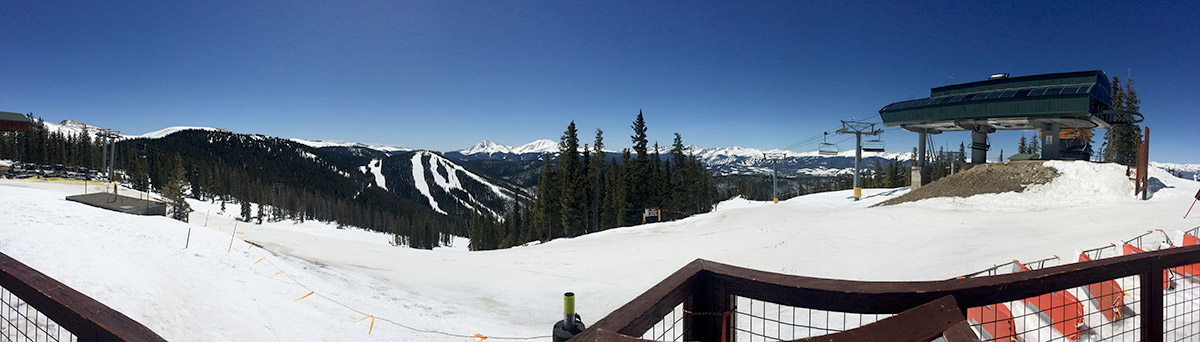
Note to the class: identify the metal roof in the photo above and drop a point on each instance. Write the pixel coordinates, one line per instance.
(8, 116)
(1072, 99)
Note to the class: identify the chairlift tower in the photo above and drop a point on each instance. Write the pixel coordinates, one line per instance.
(774, 158)
(859, 129)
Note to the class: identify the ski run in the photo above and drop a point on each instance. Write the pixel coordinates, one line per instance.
(239, 281)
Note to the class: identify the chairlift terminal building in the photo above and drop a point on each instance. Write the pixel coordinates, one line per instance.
(1052, 103)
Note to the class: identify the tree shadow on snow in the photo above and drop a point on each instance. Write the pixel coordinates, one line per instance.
(1153, 185)
(886, 193)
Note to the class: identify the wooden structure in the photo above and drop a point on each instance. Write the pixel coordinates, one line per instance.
(707, 290)
(82, 316)
(1142, 175)
(124, 204)
(14, 122)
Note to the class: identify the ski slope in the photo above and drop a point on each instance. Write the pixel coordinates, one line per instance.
(203, 293)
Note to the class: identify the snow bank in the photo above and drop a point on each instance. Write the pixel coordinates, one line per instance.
(1080, 183)
(138, 266)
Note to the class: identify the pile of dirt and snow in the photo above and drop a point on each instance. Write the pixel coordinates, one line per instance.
(983, 179)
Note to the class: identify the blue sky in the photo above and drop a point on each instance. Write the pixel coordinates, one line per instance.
(443, 75)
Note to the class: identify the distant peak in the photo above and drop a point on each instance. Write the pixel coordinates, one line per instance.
(538, 146)
(487, 146)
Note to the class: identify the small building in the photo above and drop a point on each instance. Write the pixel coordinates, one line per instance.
(1023, 157)
(14, 122)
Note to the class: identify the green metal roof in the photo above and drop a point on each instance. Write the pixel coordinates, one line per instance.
(8, 116)
(1023, 156)
(1072, 99)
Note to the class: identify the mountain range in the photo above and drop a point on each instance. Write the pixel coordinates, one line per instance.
(485, 176)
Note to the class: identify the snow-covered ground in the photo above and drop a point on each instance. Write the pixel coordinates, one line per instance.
(214, 290)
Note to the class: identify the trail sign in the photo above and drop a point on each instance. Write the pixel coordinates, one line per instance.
(652, 212)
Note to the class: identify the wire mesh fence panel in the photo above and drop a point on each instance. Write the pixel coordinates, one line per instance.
(22, 323)
(670, 328)
(760, 321)
(1104, 311)
(1181, 307)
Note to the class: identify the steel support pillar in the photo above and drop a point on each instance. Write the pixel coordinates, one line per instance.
(920, 174)
(857, 165)
(979, 146)
(1050, 143)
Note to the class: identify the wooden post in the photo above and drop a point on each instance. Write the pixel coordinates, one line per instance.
(707, 306)
(1152, 302)
(1144, 164)
(231, 236)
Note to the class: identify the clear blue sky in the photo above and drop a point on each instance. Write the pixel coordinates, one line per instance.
(442, 75)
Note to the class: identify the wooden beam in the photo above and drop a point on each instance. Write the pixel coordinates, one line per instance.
(922, 323)
(86, 318)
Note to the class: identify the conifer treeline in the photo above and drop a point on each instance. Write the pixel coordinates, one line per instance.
(585, 190)
(240, 169)
(1121, 141)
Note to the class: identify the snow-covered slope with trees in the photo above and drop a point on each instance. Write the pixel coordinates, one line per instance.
(733, 160)
(138, 265)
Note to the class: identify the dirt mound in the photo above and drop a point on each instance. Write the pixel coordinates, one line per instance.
(984, 179)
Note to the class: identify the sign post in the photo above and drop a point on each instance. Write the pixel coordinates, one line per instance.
(652, 212)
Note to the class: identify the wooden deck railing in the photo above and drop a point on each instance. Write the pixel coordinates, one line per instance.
(704, 286)
(85, 318)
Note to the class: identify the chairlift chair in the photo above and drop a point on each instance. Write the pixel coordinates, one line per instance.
(826, 148)
(874, 145)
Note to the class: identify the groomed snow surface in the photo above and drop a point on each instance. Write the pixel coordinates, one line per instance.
(213, 290)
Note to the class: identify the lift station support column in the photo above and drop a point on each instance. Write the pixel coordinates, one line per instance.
(979, 144)
(920, 173)
(1050, 140)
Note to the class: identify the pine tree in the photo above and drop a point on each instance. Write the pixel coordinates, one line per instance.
(172, 190)
(1022, 146)
(545, 205)
(245, 210)
(570, 183)
(1121, 141)
(261, 213)
(596, 178)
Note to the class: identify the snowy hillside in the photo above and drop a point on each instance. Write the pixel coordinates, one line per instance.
(138, 264)
(325, 143)
(721, 161)
(1187, 171)
(450, 181)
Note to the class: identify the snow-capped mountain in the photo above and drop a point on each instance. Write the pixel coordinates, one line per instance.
(736, 160)
(487, 149)
(73, 128)
(722, 161)
(327, 143)
(1185, 171)
(426, 177)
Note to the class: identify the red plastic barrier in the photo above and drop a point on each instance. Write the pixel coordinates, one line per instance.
(996, 320)
(1065, 311)
(1107, 296)
(1128, 249)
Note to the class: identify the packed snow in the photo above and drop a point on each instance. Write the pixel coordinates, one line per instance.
(211, 291)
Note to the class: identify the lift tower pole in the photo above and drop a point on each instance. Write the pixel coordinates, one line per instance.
(859, 129)
(774, 157)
